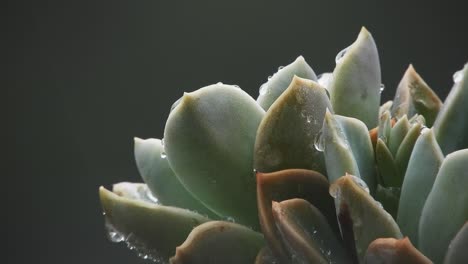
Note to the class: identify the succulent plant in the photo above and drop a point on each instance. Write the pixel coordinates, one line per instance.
(313, 171)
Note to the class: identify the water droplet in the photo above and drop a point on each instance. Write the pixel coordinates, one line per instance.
(112, 233)
(231, 219)
(308, 119)
(319, 141)
(280, 68)
(340, 55)
(379, 204)
(269, 77)
(263, 89)
(236, 86)
(457, 76)
(163, 149)
(219, 83)
(382, 87)
(361, 183)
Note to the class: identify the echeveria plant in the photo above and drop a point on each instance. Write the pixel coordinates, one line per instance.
(313, 171)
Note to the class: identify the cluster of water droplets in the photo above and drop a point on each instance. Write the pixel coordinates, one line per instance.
(132, 243)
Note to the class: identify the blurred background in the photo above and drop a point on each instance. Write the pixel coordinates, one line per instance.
(85, 77)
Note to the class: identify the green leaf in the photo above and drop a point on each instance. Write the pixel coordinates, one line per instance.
(394, 251)
(389, 198)
(307, 234)
(398, 133)
(360, 143)
(355, 89)
(288, 184)
(457, 252)
(156, 172)
(423, 166)
(414, 96)
(219, 242)
(404, 151)
(154, 230)
(386, 165)
(285, 137)
(385, 127)
(339, 158)
(446, 207)
(451, 124)
(361, 219)
(278, 83)
(209, 139)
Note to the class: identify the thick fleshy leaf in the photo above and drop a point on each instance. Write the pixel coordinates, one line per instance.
(339, 157)
(285, 137)
(423, 166)
(404, 151)
(219, 242)
(209, 139)
(451, 124)
(153, 230)
(389, 176)
(457, 252)
(388, 197)
(307, 234)
(385, 107)
(156, 172)
(394, 251)
(414, 96)
(288, 184)
(280, 81)
(446, 207)
(385, 126)
(361, 218)
(360, 143)
(355, 90)
(398, 133)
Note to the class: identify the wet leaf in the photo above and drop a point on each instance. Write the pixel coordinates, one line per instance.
(355, 89)
(285, 137)
(209, 139)
(307, 234)
(219, 242)
(163, 183)
(281, 80)
(361, 219)
(152, 229)
(288, 184)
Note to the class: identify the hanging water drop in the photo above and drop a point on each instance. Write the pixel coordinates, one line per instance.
(382, 87)
(163, 150)
(269, 77)
(340, 55)
(318, 141)
(457, 77)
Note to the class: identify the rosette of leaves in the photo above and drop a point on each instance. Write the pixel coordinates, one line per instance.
(313, 171)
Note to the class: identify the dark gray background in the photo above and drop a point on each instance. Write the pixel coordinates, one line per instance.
(85, 77)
